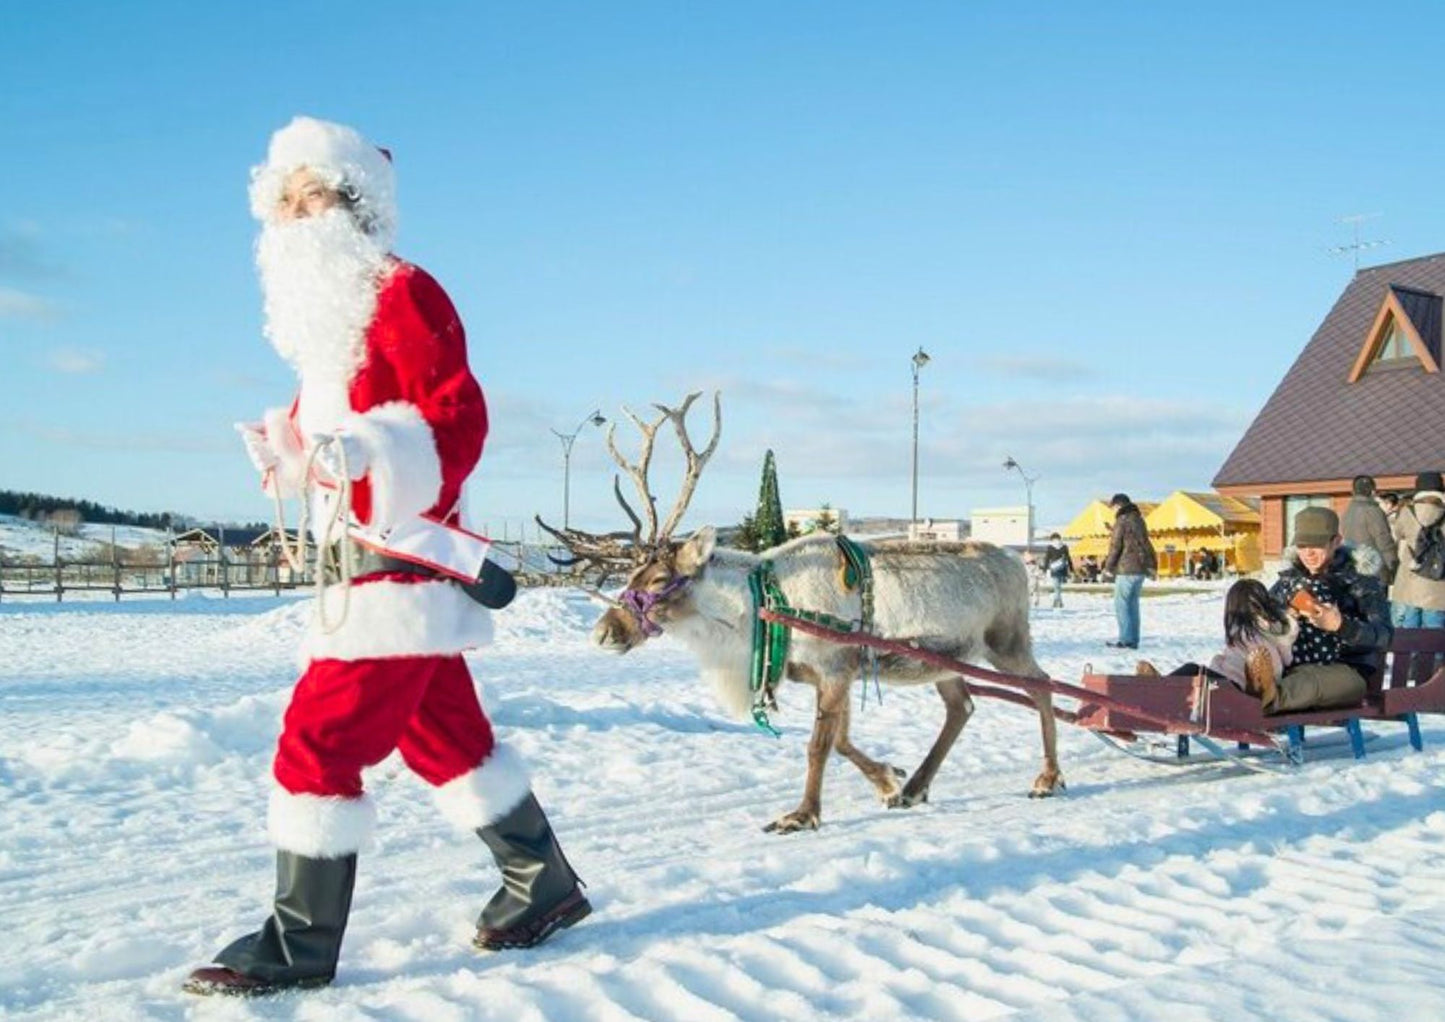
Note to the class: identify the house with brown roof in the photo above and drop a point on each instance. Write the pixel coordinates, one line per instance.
(1365, 397)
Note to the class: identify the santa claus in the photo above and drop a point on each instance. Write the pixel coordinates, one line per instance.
(388, 422)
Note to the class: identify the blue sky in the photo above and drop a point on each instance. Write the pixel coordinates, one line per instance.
(1106, 223)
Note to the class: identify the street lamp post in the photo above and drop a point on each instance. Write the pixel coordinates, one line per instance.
(920, 359)
(595, 419)
(1010, 464)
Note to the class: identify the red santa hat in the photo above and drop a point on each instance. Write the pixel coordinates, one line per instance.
(341, 157)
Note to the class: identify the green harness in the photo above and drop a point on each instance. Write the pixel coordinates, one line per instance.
(771, 640)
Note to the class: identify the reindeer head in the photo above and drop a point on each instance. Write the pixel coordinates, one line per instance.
(659, 569)
(657, 593)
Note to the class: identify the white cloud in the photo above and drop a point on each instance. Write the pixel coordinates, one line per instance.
(856, 452)
(1036, 367)
(75, 361)
(119, 440)
(15, 304)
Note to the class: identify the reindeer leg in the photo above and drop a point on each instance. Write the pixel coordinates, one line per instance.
(884, 777)
(1020, 661)
(1050, 781)
(957, 708)
(832, 709)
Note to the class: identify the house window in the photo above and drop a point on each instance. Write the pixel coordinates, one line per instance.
(1294, 505)
(1395, 345)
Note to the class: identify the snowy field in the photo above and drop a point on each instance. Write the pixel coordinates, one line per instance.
(135, 742)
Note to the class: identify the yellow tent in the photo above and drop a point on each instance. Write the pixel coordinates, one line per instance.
(1088, 534)
(1097, 519)
(1189, 521)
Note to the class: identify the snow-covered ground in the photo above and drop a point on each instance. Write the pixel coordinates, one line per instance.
(135, 741)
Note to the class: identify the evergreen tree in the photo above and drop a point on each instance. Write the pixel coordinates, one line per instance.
(826, 521)
(769, 517)
(746, 537)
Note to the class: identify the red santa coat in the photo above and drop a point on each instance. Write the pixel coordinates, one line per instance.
(391, 675)
(413, 402)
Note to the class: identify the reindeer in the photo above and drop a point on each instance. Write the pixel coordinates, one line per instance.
(963, 600)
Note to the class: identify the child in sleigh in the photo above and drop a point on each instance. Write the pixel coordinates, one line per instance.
(1259, 638)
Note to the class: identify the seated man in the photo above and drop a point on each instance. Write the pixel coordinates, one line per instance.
(1343, 632)
(1344, 619)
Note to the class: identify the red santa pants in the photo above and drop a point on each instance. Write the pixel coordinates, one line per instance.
(346, 715)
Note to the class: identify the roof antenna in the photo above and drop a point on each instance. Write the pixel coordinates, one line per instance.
(1357, 245)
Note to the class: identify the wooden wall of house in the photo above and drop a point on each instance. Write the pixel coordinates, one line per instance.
(1274, 526)
(1271, 510)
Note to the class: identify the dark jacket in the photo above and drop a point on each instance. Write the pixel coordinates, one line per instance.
(1130, 552)
(1058, 554)
(1366, 632)
(1365, 524)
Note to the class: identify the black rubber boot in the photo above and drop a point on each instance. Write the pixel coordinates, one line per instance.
(299, 945)
(540, 894)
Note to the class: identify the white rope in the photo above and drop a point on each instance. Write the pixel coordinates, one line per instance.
(340, 512)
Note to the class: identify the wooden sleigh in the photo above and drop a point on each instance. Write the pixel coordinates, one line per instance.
(1411, 683)
(1130, 712)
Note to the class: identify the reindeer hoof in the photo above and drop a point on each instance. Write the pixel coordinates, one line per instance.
(793, 822)
(890, 795)
(1047, 787)
(903, 800)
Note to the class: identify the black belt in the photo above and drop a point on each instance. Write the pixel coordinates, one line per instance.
(494, 587)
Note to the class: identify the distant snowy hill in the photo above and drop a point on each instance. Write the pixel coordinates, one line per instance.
(22, 538)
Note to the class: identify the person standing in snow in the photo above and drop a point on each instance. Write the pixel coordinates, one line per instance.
(1131, 560)
(385, 390)
(1058, 565)
(1365, 524)
(1418, 599)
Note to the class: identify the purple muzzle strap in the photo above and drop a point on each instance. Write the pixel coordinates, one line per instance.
(640, 603)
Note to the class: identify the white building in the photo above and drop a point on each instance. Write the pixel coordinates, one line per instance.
(806, 519)
(930, 530)
(1005, 526)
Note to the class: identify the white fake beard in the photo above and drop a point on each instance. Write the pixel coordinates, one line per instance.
(319, 276)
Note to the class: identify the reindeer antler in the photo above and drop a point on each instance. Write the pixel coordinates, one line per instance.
(638, 472)
(606, 553)
(695, 462)
(618, 551)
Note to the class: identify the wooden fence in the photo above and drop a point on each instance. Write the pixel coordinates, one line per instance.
(172, 569)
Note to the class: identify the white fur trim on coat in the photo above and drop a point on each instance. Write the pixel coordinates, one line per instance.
(486, 794)
(405, 471)
(1366, 559)
(290, 471)
(318, 826)
(398, 619)
(341, 157)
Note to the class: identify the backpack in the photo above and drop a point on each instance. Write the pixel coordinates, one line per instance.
(1429, 553)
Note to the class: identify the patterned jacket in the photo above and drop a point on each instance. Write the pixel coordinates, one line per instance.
(1352, 585)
